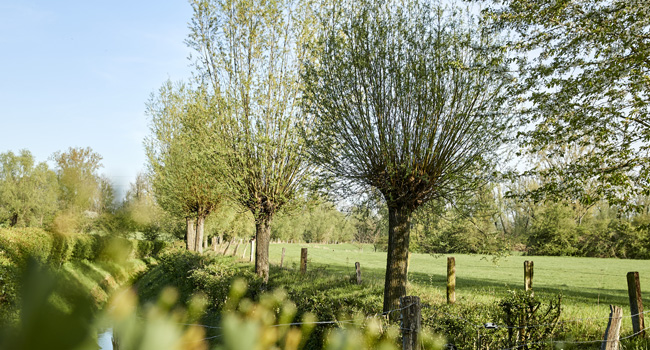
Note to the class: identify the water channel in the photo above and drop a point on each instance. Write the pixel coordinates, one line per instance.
(104, 340)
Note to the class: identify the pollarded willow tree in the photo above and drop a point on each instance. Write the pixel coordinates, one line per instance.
(183, 173)
(249, 51)
(405, 98)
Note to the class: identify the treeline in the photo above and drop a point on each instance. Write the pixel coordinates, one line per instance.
(73, 197)
(495, 221)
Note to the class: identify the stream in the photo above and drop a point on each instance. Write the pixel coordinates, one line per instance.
(104, 340)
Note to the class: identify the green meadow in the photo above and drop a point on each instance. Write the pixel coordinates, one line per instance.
(587, 285)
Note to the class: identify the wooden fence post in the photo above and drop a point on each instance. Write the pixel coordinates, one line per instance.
(303, 260)
(612, 333)
(252, 250)
(451, 280)
(358, 268)
(411, 321)
(528, 275)
(636, 303)
(282, 258)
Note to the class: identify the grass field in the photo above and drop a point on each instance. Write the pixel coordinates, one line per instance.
(588, 285)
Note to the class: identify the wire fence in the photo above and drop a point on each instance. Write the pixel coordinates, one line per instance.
(488, 326)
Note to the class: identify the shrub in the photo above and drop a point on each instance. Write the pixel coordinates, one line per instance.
(62, 248)
(143, 249)
(20, 244)
(86, 247)
(159, 246)
(553, 232)
(527, 321)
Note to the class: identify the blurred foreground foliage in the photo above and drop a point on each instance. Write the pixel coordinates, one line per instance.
(81, 263)
(269, 322)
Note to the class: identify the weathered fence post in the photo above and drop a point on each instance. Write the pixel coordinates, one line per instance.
(303, 260)
(282, 258)
(252, 250)
(357, 266)
(411, 320)
(528, 275)
(451, 280)
(612, 333)
(636, 303)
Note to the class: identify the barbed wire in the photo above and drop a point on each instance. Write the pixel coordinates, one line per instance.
(577, 342)
(490, 325)
(426, 306)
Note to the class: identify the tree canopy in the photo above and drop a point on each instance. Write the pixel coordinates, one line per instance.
(28, 190)
(79, 182)
(184, 176)
(406, 98)
(248, 53)
(583, 83)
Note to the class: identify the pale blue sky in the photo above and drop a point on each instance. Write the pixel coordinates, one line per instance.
(78, 73)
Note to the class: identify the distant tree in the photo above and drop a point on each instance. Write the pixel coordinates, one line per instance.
(139, 211)
(184, 175)
(28, 191)
(107, 202)
(79, 182)
(249, 53)
(369, 219)
(407, 99)
(583, 83)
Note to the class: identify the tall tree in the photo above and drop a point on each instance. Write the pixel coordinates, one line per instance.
(28, 190)
(407, 99)
(249, 51)
(183, 173)
(583, 82)
(79, 182)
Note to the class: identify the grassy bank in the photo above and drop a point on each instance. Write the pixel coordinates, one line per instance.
(329, 291)
(587, 285)
(49, 282)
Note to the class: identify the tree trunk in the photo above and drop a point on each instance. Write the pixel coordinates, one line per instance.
(13, 220)
(262, 238)
(397, 261)
(191, 234)
(200, 228)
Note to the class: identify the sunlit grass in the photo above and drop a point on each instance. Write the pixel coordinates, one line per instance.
(588, 285)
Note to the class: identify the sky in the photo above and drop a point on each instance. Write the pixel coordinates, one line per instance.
(79, 74)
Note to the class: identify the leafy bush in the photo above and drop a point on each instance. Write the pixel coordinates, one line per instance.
(553, 232)
(159, 246)
(86, 247)
(526, 319)
(21, 244)
(62, 249)
(143, 249)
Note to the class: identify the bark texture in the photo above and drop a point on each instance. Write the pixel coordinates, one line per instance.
(397, 262)
(191, 234)
(262, 239)
(200, 228)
